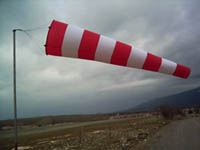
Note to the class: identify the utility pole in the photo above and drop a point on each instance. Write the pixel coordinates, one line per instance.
(14, 87)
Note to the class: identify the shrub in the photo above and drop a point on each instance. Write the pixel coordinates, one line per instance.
(197, 110)
(167, 112)
(190, 111)
(180, 112)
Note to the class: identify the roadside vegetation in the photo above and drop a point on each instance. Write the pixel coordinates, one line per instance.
(88, 132)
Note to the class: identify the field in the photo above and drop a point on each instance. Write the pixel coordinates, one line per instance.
(123, 133)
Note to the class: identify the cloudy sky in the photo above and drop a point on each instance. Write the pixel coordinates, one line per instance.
(48, 85)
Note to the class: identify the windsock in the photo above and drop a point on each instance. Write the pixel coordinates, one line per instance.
(71, 41)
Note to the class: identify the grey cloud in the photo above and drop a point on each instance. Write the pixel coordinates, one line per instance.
(53, 85)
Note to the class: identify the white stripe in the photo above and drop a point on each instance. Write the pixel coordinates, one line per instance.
(105, 49)
(167, 66)
(136, 58)
(71, 42)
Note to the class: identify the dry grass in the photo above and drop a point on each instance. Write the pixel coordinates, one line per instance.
(115, 134)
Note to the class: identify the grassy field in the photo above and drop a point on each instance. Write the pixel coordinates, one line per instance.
(129, 133)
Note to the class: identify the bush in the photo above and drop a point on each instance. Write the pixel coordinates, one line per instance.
(197, 110)
(190, 111)
(180, 112)
(167, 112)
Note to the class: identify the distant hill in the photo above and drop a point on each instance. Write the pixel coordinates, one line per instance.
(189, 98)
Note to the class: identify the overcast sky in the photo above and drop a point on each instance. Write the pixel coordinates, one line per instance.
(49, 85)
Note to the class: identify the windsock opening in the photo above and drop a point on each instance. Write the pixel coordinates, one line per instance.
(71, 41)
(55, 38)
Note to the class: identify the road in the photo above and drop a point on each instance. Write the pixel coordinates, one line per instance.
(179, 135)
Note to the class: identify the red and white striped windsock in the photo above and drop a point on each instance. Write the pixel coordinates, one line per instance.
(71, 41)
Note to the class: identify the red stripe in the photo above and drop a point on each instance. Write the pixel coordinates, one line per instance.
(182, 71)
(120, 54)
(88, 45)
(55, 38)
(152, 62)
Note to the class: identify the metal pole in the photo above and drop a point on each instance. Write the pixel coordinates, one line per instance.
(14, 89)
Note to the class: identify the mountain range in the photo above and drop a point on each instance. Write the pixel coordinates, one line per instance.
(190, 98)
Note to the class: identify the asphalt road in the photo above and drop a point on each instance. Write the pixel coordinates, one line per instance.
(179, 135)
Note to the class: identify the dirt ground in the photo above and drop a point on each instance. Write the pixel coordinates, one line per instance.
(121, 134)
